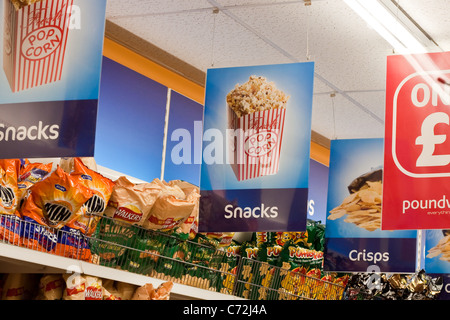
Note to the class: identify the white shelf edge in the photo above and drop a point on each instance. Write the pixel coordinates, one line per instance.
(37, 257)
(70, 265)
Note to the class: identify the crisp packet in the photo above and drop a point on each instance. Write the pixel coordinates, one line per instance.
(55, 200)
(101, 187)
(11, 224)
(131, 203)
(94, 289)
(51, 287)
(9, 191)
(75, 286)
(170, 211)
(110, 291)
(32, 173)
(19, 286)
(47, 208)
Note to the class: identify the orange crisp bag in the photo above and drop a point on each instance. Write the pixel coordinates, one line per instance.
(10, 221)
(72, 241)
(101, 188)
(48, 206)
(55, 200)
(9, 191)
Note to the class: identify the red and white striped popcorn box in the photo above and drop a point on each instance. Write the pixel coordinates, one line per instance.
(254, 142)
(34, 42)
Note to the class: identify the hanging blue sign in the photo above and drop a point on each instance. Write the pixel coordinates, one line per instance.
(354, 239)
(256, 145)
(437, 258)
(50, 76)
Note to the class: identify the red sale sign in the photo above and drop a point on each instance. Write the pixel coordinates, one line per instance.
(416, 180)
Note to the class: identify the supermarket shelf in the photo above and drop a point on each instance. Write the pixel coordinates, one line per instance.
(42, 262)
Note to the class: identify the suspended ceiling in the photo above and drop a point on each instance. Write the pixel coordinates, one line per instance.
(350, 58)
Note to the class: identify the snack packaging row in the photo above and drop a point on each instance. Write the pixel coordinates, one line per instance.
(51, 210)
(55, 211)
(288, 265)
(150, 229)
(24, 286)
(205, 261)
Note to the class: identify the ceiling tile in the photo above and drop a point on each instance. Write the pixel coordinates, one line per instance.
(120, 8)
(350, 57)
(433, 16)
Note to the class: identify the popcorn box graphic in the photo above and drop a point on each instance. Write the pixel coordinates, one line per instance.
(34, 42)
(254, 144)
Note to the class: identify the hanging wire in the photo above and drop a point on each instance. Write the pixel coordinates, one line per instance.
(308, 56)
(397, 4)
(215, 12)
(333, 95)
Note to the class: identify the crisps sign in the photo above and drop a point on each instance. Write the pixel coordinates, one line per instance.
(354, 239)
(417, 143)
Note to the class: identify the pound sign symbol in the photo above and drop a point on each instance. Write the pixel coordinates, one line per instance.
(428, 140)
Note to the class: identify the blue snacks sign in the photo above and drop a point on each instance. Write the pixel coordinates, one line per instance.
(50, 76)
(256, 146)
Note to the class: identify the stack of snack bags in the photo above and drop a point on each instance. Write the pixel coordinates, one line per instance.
(286, 265)
(152, 229)
(51, 210)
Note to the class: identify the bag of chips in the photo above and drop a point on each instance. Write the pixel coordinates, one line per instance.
(51, 287)
(189, 227)
(171, 210)
(131, 202)
(67, 164)
(11, 228)
(10, 222)
(9, 191)
(316, 234)
(55, 200)
(148, 292)
(126, 290)
(75, 286)
(144, 292)
(163, 291)
(102, 187)
(32, 173)
(20, 286)
(94, 289)
(49, 205)
(110, 292)
(72, 243)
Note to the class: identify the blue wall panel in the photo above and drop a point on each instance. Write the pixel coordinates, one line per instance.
(130, 122)
(187, 115)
